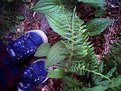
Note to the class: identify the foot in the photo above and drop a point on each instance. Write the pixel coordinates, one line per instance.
(26, 45)
(33, 75)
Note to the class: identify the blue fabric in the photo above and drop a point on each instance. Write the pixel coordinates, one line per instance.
(31, 73)
(24, 44)
(9, 73)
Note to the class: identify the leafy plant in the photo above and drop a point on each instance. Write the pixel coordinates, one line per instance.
(74, 53)
(42, 50)
(99, 6)
(52, 9)
(57, 49)
(95, 3)
(97, 25)
(56, 73)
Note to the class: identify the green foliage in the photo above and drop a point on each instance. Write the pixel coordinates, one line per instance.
(54, 12)
(96, 3)
(99, 88)
(56, 21)
(75, 54)
(47, 6)
(110, 73)
(116, 82)
(55, 55)
(56, 73)
(71, 83)
(69, 26)
(97, 25)
(99, 12)
(42, 50)
(115, 58)
(72, 89)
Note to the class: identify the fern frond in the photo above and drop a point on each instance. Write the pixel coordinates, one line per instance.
(78, 67)
(76, 42)
(71, 89)
(71, 84)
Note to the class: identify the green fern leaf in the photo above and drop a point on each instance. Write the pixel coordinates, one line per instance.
(70, 82)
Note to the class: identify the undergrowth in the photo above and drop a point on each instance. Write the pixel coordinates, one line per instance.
(74, 54)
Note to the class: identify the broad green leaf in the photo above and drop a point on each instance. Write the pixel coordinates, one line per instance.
(56, 23)
(54, 12)
(98, 25)
(116, 82)
(47, 6)
(97, 88)
(55, 54)
(96, 3)
(103, 83)
(61, 21)
(43, 50)
(56, 73)
(110, 73)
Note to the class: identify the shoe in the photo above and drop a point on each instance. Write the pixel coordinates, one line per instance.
(33, 75)
(26, 45)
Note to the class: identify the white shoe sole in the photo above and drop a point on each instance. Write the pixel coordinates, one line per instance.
(41, 34)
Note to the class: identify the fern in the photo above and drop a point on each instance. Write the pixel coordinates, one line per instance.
(66, 23)
(72, 89)
(76, 42)
(71, 84)
(79, 57)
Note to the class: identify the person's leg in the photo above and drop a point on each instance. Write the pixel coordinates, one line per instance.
(26, 45)
(18, 50)
(9, 73)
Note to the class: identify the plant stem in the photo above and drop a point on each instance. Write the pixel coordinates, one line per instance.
(99, 74)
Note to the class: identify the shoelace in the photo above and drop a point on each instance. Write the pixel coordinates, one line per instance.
(32, 74)
(22, 48)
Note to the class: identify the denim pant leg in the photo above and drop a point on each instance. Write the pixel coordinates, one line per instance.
(9, 73)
